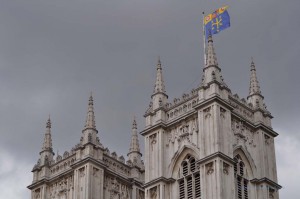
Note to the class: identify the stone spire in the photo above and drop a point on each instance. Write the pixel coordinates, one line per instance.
(212, 72)
(134, 154)
(134, 145)
(159, 84)
(46, 155)
(90, 132)
(159, 96)
(90, 119)
(255, 97)
(211, 58)
(254, 88)
(47, 145)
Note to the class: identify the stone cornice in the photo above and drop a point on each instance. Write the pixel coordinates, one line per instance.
(267, 181)
(258, 94)
(183, 116)
(266, 129)
(182, 101)
(126, 165)
(212, 66)
(222, 85)
(114, 173)
(47, 180)
(241, 103)
(159, 125)
(38, 183)
(256, 126)
(215, 155)
(134, 181)
(162, 93)
(135, 152)
(86, 160)
(157, 180)
(215, 98)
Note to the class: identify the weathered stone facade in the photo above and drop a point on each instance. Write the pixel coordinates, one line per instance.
(88, 171)
(208, 144)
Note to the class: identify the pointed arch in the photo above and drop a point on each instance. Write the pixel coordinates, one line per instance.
(247, 159)
(178, 157)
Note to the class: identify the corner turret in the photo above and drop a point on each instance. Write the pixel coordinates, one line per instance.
(47, 153)
(134, 154)
(159, 96)
(212, 76)
(90, 132)
(261, 114)
(159, 99)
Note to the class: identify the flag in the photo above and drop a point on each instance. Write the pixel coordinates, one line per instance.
(216, 21)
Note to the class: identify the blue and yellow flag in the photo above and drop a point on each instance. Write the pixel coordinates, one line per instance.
(216, 21)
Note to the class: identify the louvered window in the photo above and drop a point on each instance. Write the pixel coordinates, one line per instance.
(245, 189)
(239, 188)
(185, 168)
(189, 183)
(241, 168)
(241, 181)
(192, 164)
(181, 189)
(235, 165)
(190, 188)
(197, 186)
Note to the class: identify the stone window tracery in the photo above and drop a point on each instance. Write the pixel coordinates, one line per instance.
(189, 179)
(240, 179)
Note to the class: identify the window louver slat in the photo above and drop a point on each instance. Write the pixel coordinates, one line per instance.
(181, 189)
(197, 186)
(189, 188)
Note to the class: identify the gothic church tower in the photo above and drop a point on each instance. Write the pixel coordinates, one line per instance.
(209, 144)
(88, 170)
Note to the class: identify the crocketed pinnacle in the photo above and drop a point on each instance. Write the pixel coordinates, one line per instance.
(47, 145)
(254, 88)
(134, 145)
(211, 58)
(159, 84)
(90, 119)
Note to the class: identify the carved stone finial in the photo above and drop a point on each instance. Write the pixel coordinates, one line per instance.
(159, 83)
(90, 119)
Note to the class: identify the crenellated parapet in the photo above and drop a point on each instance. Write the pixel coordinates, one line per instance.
(116, 166)
(246, 110)
(62, 164)
(181, 107)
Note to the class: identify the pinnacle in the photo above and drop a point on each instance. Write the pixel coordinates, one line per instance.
(134, 125)
(47, 145)
(48, 124)
(211, 58)
(254, 84)
(90, 119)
(134, 145)
(158, 63)
(159, 83)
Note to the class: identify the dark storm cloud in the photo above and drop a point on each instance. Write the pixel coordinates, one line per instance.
(53, 53)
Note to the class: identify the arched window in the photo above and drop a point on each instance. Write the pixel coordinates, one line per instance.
(189, 180)
(240, 178)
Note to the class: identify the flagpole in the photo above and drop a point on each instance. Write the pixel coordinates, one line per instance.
(204, 43)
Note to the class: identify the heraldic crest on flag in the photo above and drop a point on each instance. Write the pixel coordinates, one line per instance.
(216, 21)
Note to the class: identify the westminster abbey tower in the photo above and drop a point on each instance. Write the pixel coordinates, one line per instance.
(207, 144)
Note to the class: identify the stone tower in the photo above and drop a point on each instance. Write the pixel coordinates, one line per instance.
(209, 143)
(88, 170)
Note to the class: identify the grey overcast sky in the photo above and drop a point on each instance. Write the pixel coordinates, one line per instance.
(54, 53)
